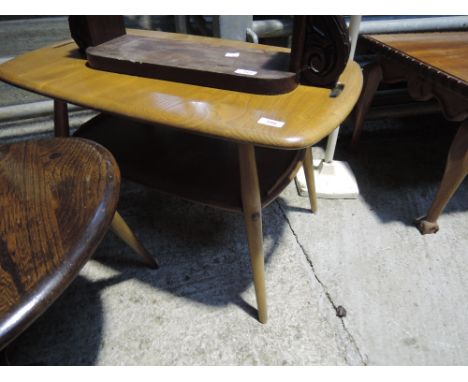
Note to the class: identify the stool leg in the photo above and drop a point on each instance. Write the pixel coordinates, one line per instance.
(455, 171)
(122, 230)
(372, 77)
(118, 225)
(310, 179)
(252, 208)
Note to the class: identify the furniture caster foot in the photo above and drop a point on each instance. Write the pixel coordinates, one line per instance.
(426, 227)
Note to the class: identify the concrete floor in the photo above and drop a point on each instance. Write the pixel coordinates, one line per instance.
(405, 294)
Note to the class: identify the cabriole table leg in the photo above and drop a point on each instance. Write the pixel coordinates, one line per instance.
(455, 171)
(372, 78)
(252, 208)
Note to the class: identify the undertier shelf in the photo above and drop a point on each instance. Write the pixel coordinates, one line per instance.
(194, 167)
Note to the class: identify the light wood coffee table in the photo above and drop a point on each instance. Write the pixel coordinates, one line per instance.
(224, 148)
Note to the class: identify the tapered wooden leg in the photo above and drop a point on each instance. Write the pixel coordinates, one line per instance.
(118, 225)
(310, 179)
(252, 209)
(455, 171)
(122, 230)
(372, 77)
(61, 126)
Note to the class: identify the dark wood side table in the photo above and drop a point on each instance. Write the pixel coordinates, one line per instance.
(434, 65)
(179, 138)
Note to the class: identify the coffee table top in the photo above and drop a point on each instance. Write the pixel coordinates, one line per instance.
(443, 53)
(291, 121)
(57, 200)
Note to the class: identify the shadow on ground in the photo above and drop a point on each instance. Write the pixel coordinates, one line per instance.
(204, 258)
(402, 156)
(203, 251)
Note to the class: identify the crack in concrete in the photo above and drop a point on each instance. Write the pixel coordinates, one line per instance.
(362, 357)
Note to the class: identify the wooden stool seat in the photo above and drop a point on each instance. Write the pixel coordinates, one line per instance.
(57, 199)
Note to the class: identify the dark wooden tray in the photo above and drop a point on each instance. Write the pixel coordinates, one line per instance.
(194, 167)
(214, 65)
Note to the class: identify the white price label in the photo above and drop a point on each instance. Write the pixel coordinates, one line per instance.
(270, 122)
(246, 72)
(232, 54)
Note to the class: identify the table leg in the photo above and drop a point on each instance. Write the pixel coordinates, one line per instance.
(372, 77)
(61, 126)
(310, 179)
(252, 208)
(455, 171)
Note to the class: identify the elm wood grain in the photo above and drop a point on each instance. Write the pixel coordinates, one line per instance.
(194, 167)
(309, 113)
(57, 199)
(195, 63)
